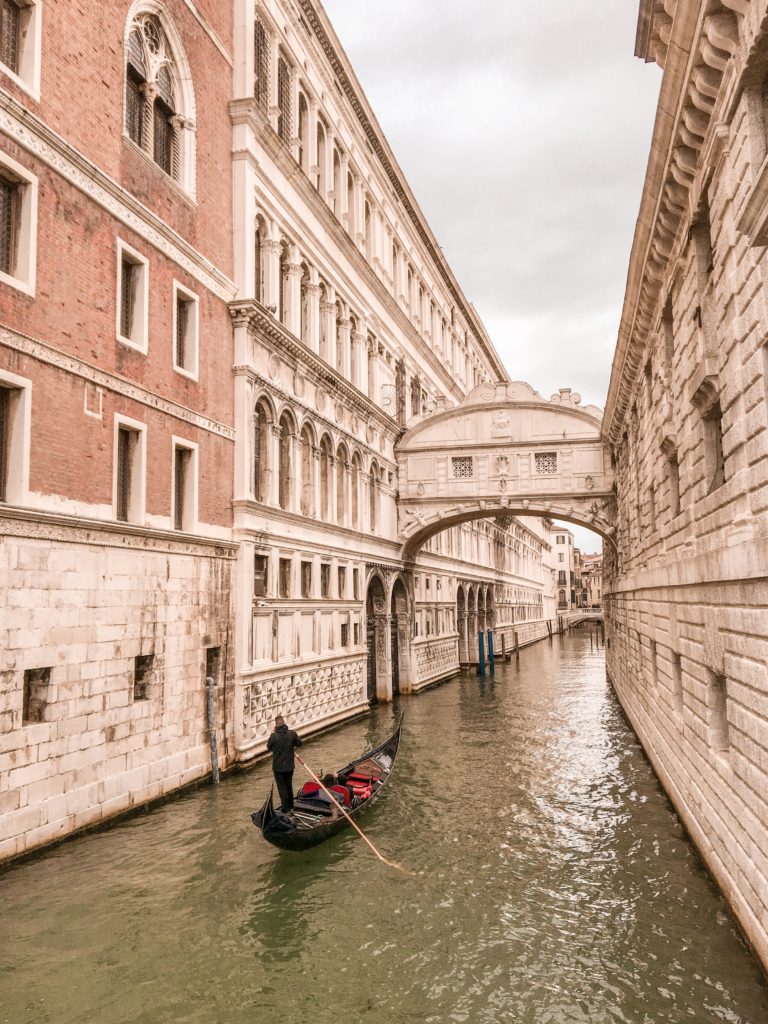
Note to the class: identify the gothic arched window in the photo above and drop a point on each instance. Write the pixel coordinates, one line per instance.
(159, 114)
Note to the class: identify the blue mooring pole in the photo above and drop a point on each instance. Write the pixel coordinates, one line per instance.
(491, 659)
(481, 652)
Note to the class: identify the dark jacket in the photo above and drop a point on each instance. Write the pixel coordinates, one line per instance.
(281, 743)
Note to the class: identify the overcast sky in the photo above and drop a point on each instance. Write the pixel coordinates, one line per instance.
(523, 129)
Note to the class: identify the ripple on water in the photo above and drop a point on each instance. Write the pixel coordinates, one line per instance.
(552, 883)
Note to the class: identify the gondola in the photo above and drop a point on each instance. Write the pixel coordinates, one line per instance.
(314, 817)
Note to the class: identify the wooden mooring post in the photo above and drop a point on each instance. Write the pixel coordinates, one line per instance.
(517, 649)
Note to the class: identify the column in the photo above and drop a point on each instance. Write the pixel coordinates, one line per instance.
(270, 255)
(332, 486)
(314, 170)
(360, 360)
(372, 381)
(316, 496)
(294, 491)
(330, 145)
(293, 291)
(343, 204)
(359, 213)
(343, 328)
(312, 339)
(274, 56)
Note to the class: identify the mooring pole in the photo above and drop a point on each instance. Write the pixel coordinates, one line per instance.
(491, 659)
(517, 649)
(210, 686)
(481, 653)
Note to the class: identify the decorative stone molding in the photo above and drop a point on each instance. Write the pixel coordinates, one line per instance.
(704, 387)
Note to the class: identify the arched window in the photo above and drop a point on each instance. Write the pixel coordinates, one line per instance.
(336, 183)
(320, 161)
(373, 497)
(158, 99)
(341, 485)
(350, 204)
(283, 291)
(355, 468)
(262, 421)
(306, 472)
(325, 479)
(303, 133)
(285, 479)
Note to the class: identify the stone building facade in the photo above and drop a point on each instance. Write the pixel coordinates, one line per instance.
(218, 313)
(687, 418)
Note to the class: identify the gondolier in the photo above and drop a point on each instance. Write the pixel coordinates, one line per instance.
(282, 743)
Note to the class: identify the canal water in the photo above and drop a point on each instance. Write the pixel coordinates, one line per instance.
(551, 883)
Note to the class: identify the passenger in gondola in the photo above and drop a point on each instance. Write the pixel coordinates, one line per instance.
(282, 743)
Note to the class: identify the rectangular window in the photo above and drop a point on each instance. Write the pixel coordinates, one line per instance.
(461, 466)
(10, 31)
(260, 567)
(342, 581)
(183, 488)
(5, 439)
(261, 66)
(142, 676)
(128, 469)
(561, 557)
(713, 436)
(132, 297)
(356, 584)
(545, 463)
(127, 442)
(284, 100)
(677, 681)
(306, 579)
(186, 328)
(212, 664)
(36, 693)
(325, 580)
(356, 634)
(674, 485)
(10, 204)
(719, 730)
(20, 42)
(284, 577)
(561, 540)
(344, 634)
(18, 225)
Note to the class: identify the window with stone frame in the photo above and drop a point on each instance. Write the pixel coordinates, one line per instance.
(18, 225)
(20, 38)
(284, 119)
(284, 577)
(10, 206)
(545, 463)
(261, 60)
(10, 34)
(5, 439)
(462, 467)
(155, 118)
(325, 579)
(306, 579)
(260, 575)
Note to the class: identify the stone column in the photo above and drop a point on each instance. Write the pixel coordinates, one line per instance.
(359, 369)
(372, 375)
(343, 328)
(312, 339)
(343, 204)
(316, 496)
(314, 170)
(270, 256)
(272, 482)
(294, 486)
(293, 292)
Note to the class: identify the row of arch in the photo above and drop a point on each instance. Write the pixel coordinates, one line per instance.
(299, 470)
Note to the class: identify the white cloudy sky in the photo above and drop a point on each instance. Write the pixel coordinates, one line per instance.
(523, 129)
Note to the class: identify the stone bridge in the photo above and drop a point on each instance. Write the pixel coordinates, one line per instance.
(505, 451)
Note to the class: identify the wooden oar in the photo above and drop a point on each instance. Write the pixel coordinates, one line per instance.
(355, 826)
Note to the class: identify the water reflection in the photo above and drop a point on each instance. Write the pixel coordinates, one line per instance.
(552, 883)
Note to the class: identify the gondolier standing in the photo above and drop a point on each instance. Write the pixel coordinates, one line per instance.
(282, 743)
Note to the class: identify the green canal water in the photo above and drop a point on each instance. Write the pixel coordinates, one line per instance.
(552, 883)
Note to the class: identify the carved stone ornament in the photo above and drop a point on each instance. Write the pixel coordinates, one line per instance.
(354, 424)
(589, 483)
(370, 434)
(502, 465)
(274, 367)
(338, 411)
(421, 489)
(320, 399)
(299, 385)
(503, 484)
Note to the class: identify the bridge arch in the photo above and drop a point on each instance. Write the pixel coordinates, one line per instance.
(505, 451)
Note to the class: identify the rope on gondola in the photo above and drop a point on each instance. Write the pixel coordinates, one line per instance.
(355, 826)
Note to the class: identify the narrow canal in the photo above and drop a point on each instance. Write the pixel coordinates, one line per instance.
(552, 884)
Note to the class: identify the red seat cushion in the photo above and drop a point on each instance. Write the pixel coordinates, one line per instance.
(343, 792)
(309, 789)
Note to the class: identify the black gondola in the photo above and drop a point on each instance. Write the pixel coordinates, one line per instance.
(314, 817)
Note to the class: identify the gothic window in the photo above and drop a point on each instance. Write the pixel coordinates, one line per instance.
(261, 66)
(157, 113)
(306, 472)
(284, 127)
(261, 426)
(546, 463)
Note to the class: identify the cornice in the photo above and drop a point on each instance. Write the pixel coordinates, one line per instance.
(45, 353)
(354, 94)
(30, 132)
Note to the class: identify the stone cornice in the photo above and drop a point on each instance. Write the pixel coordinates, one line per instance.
(269, 329)
(356, 97)
(45, 353)
(30, 132)
(26, 522)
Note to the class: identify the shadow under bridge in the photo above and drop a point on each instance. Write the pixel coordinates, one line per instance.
(505, 451)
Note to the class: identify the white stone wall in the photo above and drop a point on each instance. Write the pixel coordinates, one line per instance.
(686, 589)
(85, 604)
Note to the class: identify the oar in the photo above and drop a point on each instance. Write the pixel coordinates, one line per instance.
(354, 825)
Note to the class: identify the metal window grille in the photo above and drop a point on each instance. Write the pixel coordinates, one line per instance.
(462, 467)
(124, 451)
(10, 195)
(546, 463)
(10, 31)
(5, 432)
(129, 280)
(181, 462)
(142, 676)
(182, 328)
(261, 66)
(164, 136)
(134, 109)
(36, 688)
(284, 100)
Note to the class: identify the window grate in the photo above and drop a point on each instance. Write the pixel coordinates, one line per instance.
(284, 100)
(10, 30)
(9, 218)
(134, 108)
(462, 467)
(181, 461)
(182, 326)
(546, 463)
(164, 136)
(129, 277)
(123, 473)
(261, 66)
